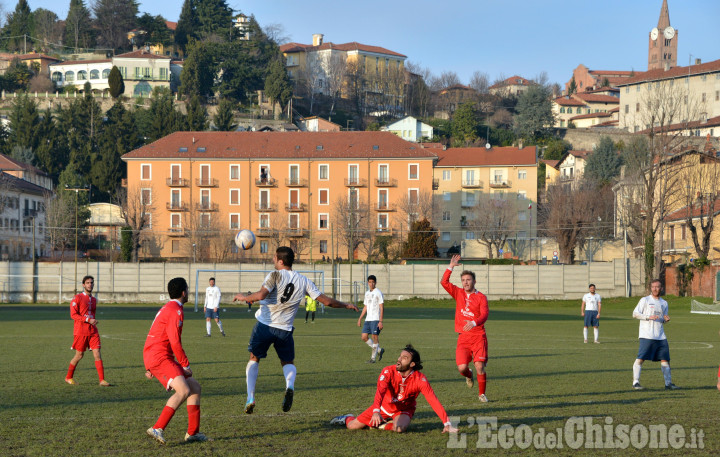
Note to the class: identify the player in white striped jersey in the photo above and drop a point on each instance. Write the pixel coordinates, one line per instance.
(279, 298)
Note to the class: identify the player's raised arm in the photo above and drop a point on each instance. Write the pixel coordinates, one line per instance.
(331, 302)
(248, 297)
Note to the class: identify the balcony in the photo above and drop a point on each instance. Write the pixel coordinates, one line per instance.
(500, 183)
(566, 178)
(264, 231)
(355, 182)
(207, 207)
(176, 231)
(386, 182)
(382, 206)
(176, 206)
(177, 182)
(266, 208)
(296, 182)
(472, 184)
(295, 207)
(206, 182)
(295, 232)
(436, 184)
(468, 203)
(27, 212)
(384, 231)
(266, 182)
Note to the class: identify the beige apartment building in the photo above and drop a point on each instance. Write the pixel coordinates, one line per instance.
(466, 177)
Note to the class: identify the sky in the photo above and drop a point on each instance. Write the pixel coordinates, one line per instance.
(497, 37)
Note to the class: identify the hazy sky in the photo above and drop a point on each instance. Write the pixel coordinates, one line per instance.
(523, 37)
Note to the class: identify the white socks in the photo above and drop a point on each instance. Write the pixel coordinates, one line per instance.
(665, 367)
(596, 331)
(636, 371)
(369, 342)
(290, 372)
(219, 323)
(585, 333)
(375, 349)
(207, 327)
(251, 373)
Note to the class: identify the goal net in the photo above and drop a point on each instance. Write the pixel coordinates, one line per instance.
(702, 308)
(23, 288)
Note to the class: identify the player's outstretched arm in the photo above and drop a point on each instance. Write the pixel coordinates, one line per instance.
(331, 302)
(259, 295)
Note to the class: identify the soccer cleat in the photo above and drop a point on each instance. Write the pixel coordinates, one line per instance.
(671, 386)
(637, 386)
(370, 361)
(340, 420)
(104, 383)
(223, 333)
(156, 434)
(70, 381)
(198, 437)
(312, 322)
(249, 406)
(483, 398)
(207, 335)
(287, 401)
(596, 342)
(380, 354)
(470, 381)
(585, 341)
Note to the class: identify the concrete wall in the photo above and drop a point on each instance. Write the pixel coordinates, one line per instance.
(146, 282)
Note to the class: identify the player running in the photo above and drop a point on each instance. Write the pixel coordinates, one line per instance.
(165, 360)
(471, 312)
(395, 398)
(373, 310)
(279, 299)
(85, 333)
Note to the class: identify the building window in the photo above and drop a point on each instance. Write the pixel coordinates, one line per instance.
(562, 109)
(323, 246)
(323, 221)
(164, 74)
(627, 109)
(446, 196)
(234, 221)
(56, 76)
(323, 196)
(522, 195)
(522, 216)
(522, 174)
(323, 171)
(446, 175)
(413, 171)
(413, 196)
(383, 174)
(146, 197)
(69, 76)
(264, 221)
(234, 172)
(446, 236)
(145, 172)
(470, 235)
(263, 247)
(382, 221)
(637, 107)
(717, 95)
(702, 99)
(446, 216)
(353, 179)
(94, 74)
(234, 196)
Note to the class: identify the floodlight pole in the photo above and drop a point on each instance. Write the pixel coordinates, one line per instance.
(76, 189)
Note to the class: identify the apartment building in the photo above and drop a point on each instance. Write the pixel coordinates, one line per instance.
(294, 188)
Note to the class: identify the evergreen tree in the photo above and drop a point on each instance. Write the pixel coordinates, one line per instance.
(51, 155)
(422, 240)
(113, 19)
(18, 75)
(186, 26)
(214, 18)
(277, 83)
(197, 77)
(118, 136)
(78, 26)
(156, 30)
(534, 113)
(573, 86)
(464, 124)
(116, 83)
(24, 120)
(164, 118)
(19, 23)
(604, 164)
(197, 116)
(224, 117)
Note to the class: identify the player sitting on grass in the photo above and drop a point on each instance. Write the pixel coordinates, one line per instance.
(395, 398)
(279, 299)
(165, 360)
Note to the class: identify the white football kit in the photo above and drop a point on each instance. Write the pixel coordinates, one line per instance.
(591, 301)
(372, 301)
(287, 290)
(212, 297)
(649, 306)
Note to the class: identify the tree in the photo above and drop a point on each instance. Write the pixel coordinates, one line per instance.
(78, 26)
(276, 33)
(197, 116)
(494, 220)
(113, 19)
(422, 240)
(47, 27)
(164, 118)
(604, 163)
(277, 84)
(59, 219)
(41, 84)
(116, 83)
(464, 124)
(350, 216)
(18, 75)
(198, 75)
(24, 120)
(572, 88)
(50, 152)
(136, 211)
(224, 116)
(445, 80)
(187, 25)
(310, 78)
(20, 23)
(156, 30)
(118, 135)
(480, 82)
(214, 18)
(534, 113)
(702, 198)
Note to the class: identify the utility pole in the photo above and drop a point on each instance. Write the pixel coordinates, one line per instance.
(77, 190)
(34, 263)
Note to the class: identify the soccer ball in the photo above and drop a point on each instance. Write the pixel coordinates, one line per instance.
(245, 239)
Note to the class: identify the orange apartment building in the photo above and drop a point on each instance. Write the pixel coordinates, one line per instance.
(199, 188)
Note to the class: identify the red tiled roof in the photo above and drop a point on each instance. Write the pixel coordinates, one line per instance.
(603, 89)
(693, 212)
(606, 73)
(171, 25)
(505, 155)
(568, 101)
(34, 55)
(456, 87)
(431, 145)
(578, 154)
(513, 81)
(279, 145)
(597, 98)
(612, 123)
(80, 62)
(10, 164)
(615, 110)
(13, 182)
(590, 116)
(353, 46)
(674, 72)
(712, 122)
(140, 54)
(551, 163)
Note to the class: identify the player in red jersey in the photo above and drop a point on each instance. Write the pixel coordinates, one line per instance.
(397, 390)
(85, 333)
(165, 360)
(471, 312)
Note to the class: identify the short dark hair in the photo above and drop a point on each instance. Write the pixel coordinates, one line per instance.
(372, 277)
(415, 356)
(86, 278)
(468, 272)
(657, 281)
(591, 285)
(211, 279)
(176, 286)
(285, 254)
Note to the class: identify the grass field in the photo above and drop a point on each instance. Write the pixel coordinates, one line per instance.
(540, 374)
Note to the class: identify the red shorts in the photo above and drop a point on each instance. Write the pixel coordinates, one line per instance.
(165, 371)
(84, 342)
(387, 412)
(471, 347)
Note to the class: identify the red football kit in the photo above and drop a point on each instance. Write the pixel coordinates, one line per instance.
(472, 345)
(163, 353)
(82, 309)
(396, 395)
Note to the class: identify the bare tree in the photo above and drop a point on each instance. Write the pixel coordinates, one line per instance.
(445, 80)
(494, 219)
(310, 79)
(59, 220)
(335, 71)
(480, 81)
(137, 208)
(701, 197)
(276, 32)
(351, 216)
(418, 206)
(501, 118)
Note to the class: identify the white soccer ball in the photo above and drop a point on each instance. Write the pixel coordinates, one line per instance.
(245, 239)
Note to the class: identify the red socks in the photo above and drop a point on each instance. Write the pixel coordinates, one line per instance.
(389, 426)
(71, 371)
(482, 379)
(348, 420)
(193, 419)
(100, 369)
(164, 419)
(467, 373)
